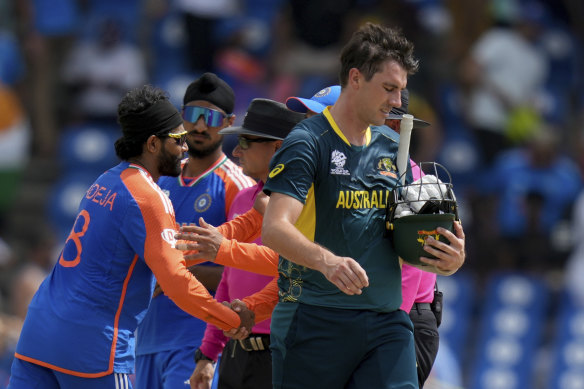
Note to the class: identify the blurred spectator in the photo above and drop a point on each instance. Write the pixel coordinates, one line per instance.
(308, 38)
(10, 326)
(12, 67)
(200, 20)
(503, 74)
(100, 71)
(245, 40)
(24, 285)
(14, 147)
(533, 188)
(574, 272)
(425, 142)
(46, 29)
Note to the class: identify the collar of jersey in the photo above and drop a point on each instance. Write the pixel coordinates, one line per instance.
(210, 170)
(329, 117)
(141, 168)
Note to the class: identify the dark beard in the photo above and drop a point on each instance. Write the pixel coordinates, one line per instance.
(202, 153)
(168, 165)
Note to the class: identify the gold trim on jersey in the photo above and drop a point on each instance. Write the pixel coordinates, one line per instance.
(336, 128)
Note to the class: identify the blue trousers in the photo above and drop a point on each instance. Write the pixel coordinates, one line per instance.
(320, 347)
(26, 375)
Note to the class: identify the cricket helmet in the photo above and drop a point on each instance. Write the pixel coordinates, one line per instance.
(416, 210)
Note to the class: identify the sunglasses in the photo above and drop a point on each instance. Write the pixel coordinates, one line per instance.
(245, 143)
(179, 137)
(212, 117)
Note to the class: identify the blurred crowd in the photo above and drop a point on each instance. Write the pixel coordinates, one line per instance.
(501, 81)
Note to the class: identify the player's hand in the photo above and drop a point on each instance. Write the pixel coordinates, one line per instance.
(345, 273)
(204, 239)
(261, 202)
(247, 320)
(449, 257)
(202, 376)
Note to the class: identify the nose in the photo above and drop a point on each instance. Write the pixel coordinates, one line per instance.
(184, 147)
(237, 151)
(200, 125)
(395, 99)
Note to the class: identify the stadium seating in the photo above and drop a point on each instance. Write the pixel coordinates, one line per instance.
(459, 296)
(64, 199)
(567, 369)
(513, 315)
(88, 149)
(85, 152)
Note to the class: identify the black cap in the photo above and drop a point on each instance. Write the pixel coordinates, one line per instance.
(267, 119)
(398, 113)
(211, 88)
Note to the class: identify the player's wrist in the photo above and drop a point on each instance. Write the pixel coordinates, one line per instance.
(199, 356)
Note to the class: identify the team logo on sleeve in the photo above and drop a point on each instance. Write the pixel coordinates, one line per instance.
(203, 202)
(168, 236)
(387, 167)
(275, 171)
(338, 159)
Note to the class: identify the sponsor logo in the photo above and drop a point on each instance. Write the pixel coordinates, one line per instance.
(168, 236)
(275, 171)
(203, 202)
(339, 159)
(387, 167)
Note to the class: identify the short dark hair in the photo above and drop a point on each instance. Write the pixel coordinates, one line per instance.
(372, 45)
(136, 101)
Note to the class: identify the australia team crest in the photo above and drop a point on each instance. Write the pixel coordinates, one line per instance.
(386, 167)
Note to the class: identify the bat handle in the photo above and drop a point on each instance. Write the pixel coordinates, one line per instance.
(406, 125)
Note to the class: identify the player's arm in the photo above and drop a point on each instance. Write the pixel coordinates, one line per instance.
(262, 303)
(150, 232)
(244, 228)
(187, 292)
(280, 234)
(213, 341)
(207, 243)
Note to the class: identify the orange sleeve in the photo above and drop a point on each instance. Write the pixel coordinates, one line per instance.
(167, 263)
(244, 228)
(248, 256)
(262, 303)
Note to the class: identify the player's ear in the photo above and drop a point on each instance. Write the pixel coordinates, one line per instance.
(153, 143)
(354, 77)
(277, 145)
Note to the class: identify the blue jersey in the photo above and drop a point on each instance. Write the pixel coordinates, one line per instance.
(166, 326)
(345, 190)
(82, 319)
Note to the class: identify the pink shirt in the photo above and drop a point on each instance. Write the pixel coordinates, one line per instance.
(235, 283)
(417, 285)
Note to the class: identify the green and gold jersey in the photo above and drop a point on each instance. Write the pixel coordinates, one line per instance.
(345, 190)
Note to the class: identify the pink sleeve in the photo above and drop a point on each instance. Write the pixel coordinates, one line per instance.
(416, 171)
(214, 341)
(411, 277)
